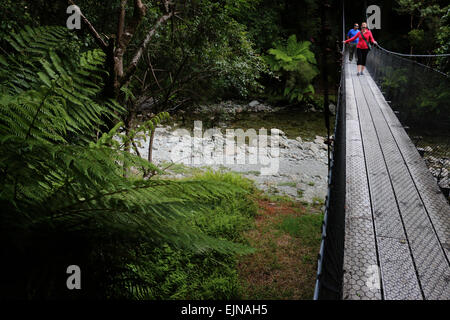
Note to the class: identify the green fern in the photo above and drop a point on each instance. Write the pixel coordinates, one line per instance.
(47, 94)
(296, 64)
(64, 195)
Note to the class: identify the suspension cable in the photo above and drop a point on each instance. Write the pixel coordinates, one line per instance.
(415, 62)
(414, 55)
(343, 25)
(411, 55)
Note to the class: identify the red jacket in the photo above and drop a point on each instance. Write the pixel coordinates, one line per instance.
(361, 43)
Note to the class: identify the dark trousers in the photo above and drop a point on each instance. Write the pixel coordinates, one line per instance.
(362, 56)
(351, 51)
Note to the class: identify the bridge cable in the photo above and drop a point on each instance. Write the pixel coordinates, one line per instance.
(410, 55)
(414, 55)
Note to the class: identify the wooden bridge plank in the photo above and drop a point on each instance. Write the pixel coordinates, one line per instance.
(429, 259)
(398, 274)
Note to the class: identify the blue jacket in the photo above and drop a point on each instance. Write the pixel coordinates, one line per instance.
(351, 34)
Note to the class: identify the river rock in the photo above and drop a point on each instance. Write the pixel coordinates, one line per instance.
(278, 132)
(314, 149)
(296, 160)
(319, 140)
(254, 103)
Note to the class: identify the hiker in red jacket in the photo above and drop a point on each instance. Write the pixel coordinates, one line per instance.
(362, 49)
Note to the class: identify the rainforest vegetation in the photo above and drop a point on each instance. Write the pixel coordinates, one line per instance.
(71, 104)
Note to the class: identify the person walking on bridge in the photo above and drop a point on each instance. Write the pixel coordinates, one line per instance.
(352, 45)
(364, 37)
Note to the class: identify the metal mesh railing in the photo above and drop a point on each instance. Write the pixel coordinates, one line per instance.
(420, 96)
(330, 262)
(329, 273)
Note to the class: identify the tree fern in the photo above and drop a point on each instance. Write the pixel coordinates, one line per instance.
(295, 62)
(64, 197)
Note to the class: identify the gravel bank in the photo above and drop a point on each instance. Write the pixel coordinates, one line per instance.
(302, 165)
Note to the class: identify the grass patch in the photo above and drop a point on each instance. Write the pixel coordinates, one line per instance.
(287, 184)
(318, 201)
(179, 168)
(287, 238)
(284, 233)
(283, 199)
(304, 227)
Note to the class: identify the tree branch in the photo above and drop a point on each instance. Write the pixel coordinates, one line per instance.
(92, 30)
(139, 13)
(121, 24)
(138, 55)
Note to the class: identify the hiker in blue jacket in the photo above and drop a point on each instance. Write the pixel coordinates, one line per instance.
(352, 44)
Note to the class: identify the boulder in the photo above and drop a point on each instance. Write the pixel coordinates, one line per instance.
(314, 149)
(260, 108)
(284, 144)
(277, 132)
(254, 103)
(319, 140)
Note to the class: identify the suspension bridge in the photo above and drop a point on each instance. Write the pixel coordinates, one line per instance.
(386, 231)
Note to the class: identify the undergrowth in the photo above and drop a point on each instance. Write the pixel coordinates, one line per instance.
(173, 273)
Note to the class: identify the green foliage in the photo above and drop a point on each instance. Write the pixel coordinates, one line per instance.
(306, 227)
(267, 21)
(420, 94)
(29, 49)
(443, 40)
(65, 198)
(433, 102)
(416, 37)
(177, 274)
(13, 14)
(239, 67)
(296, 64)
(428, 25)
(45, 95)
(395, 78)
(207, 56)
(136, 135)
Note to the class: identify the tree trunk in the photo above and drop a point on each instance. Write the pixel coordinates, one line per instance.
(150, 146)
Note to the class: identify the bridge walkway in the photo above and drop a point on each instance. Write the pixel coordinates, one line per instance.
(397, 222)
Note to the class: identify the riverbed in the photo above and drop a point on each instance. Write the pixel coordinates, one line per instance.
(299, 163)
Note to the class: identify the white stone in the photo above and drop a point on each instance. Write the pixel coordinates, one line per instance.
(254, 103)
(314, 149)
(278, 132)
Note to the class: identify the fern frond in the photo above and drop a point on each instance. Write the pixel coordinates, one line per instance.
(61, 186)
(54, 95)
